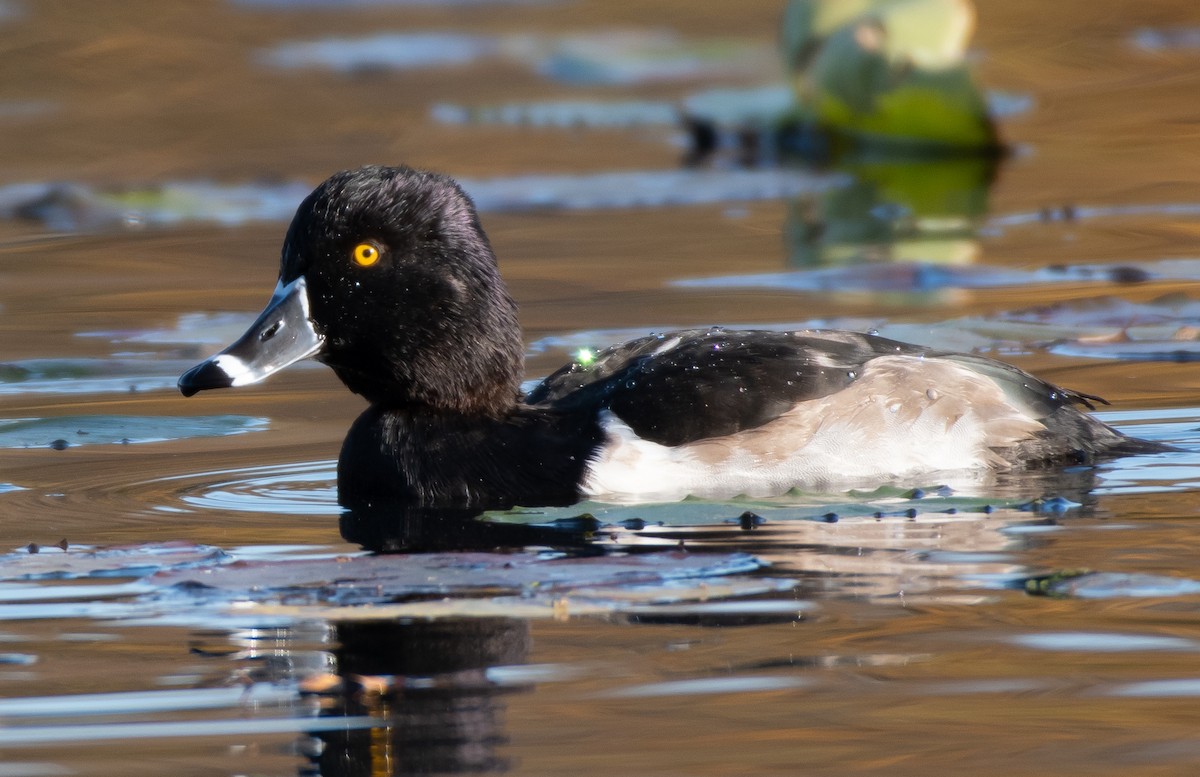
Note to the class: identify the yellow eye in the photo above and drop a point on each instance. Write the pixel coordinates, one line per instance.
(365, 254)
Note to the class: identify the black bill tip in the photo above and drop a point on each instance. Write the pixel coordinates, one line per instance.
(206, 375)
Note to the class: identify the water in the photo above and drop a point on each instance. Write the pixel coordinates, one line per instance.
(1021, 625)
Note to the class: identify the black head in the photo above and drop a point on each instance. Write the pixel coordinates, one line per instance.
(403, 294)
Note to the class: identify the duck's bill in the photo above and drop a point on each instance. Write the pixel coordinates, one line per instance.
(282, 335)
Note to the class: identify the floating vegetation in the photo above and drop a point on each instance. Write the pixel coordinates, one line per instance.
(344, 5)
(89, 376)
(722, 108)
(180, 583)
(598, 59)
(1103, 642)
(1166, 328)
(1185, 347)
(134, 732)
(381, 578)
(1086, 584)
(71, 431)
(1092, 313)
(639, 57)
(709, 686)
(593, 114)
(385, 51)
(1163, 329)
(633, 189)
(78, 563)
(75, 207)
(167, 352)
(191, 329)
(25, 109)
(886, 503)
(727, 107)
(67, 207)
(925, 277)
(1066, 214)
(1157, 41)
(737, 107)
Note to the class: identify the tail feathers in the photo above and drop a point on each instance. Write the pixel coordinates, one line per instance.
(1071, 436)
(1087, 400)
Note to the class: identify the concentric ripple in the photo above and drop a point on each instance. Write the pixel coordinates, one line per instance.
(302, 488)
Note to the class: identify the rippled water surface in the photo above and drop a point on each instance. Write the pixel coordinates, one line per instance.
(180, 592)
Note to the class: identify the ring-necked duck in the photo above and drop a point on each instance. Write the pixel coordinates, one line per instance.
(388, 278)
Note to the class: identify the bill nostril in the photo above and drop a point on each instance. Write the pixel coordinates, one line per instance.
(271, 331)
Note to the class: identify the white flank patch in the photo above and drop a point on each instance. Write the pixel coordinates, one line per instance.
(905, 416)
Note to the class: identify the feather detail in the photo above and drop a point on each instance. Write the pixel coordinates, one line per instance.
(903, 416)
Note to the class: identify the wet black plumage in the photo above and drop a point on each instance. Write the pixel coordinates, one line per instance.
(427, 332)
(713, 382)
(431, 324)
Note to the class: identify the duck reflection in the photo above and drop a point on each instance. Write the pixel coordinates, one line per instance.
(428, 685)
(409, 528)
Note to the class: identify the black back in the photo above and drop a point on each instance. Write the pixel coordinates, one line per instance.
(713, 382)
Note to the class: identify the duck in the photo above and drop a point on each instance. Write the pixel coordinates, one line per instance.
(387, 277)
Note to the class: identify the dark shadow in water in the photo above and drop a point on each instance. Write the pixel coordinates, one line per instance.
(427, 683)
(414, 529)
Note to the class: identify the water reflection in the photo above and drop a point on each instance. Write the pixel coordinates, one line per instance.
(1111, 101)
(776, 529)
(920, 211)
(418, 529)
(925, 210)
(302, 488)
(428, 685)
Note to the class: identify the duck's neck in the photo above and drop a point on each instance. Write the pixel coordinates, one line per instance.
(455, 349)
(532, 456)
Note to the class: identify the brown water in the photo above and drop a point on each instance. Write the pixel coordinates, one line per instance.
(906, 646)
